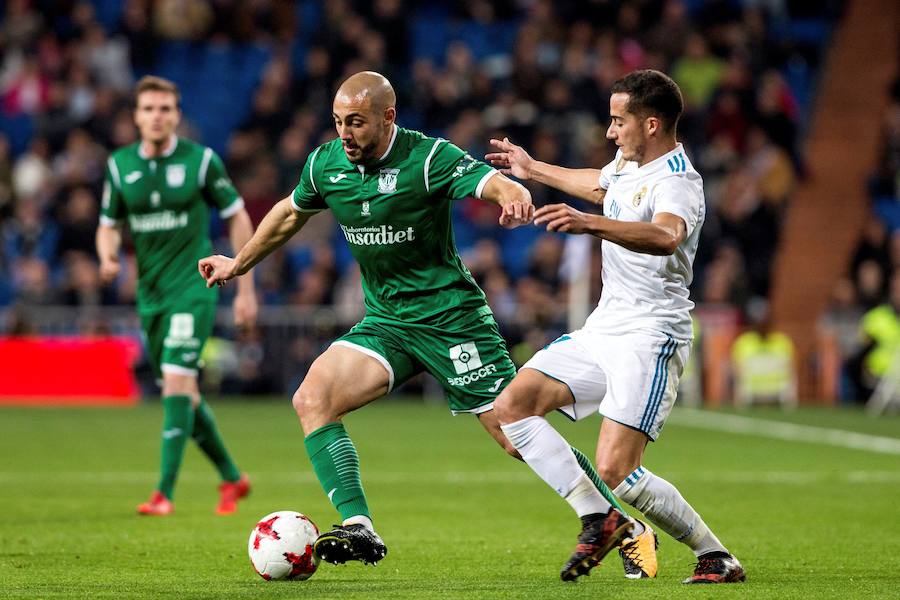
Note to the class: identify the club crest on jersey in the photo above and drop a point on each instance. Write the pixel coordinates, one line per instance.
(365, 209)
(175, 175)
(387, 181)
(636, 201)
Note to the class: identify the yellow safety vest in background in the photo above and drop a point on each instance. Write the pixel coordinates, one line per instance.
(764, 364)
(882, 325)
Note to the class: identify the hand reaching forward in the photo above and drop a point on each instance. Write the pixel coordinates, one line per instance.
(216, 270)
(562, 217)
(510, 159)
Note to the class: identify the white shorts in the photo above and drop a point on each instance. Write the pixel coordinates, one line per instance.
(631, 379)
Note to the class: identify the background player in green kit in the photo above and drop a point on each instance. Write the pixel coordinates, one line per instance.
(390, 190)
(164, 187)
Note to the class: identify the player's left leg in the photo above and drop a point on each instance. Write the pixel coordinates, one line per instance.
(521, 409)
(491, 424)
(235, 485)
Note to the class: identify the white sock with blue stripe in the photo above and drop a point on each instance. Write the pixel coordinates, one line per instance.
(666, 508)
(550, 456)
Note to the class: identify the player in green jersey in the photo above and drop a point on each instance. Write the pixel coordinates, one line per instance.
(164, 187)
(390, 190)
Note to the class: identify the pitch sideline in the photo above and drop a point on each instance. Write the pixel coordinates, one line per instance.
(792, 432)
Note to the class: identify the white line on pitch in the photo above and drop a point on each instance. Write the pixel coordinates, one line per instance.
(704, 419)
(518, 476)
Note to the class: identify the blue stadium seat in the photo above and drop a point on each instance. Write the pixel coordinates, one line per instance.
(217, 84)
(429, 37)
(814, 32)
(888, 210)
(18, 130)
(109, 13)
(516, 247)
(309, 15)
(485, 41)
(799, 78)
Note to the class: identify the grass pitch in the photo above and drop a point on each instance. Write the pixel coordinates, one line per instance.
(461, 519)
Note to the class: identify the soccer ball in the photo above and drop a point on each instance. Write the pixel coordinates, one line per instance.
(281, 546)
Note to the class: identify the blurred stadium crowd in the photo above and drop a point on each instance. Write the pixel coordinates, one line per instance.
(257, 80)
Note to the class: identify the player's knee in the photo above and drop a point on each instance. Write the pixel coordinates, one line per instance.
(504, 407)
(308, 402)
(515, 403)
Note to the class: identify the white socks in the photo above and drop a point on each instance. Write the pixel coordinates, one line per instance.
(550, 456)
(667, 509)
(360, 520)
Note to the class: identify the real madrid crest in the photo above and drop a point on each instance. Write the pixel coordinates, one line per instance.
(636, 201)
(387, 181)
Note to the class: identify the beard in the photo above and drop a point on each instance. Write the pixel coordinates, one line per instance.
(637, 155)
(366, 153)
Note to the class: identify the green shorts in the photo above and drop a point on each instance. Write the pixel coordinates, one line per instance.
(465, 354)
(175, 337)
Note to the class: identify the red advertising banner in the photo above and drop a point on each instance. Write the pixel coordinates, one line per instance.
(68, 371)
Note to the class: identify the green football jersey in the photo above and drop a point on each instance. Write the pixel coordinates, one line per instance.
(395, 215)
(166, 202)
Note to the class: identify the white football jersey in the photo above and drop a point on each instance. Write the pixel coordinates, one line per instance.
(641, 291)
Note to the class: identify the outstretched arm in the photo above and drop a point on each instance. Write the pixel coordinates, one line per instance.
(512, 198)
(277, 227)
(514, 160)
(660, 237)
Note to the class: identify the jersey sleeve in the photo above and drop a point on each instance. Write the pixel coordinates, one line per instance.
(453, 173)
(306, 196)
(112, 207)
(679, 197)
(607, 172)
(217, 186)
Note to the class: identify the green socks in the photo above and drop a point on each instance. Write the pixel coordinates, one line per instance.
(178, 423)
(585, 463)
(206, 434)
(336, 464)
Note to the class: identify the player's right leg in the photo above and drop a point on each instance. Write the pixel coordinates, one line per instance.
(179, 392)
(521, 409)
(619, 452)
(641, 393)
(341, 380)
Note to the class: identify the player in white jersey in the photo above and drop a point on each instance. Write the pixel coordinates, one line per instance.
(626, 360)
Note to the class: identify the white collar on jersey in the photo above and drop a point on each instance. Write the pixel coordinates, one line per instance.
(391, 144)
(173, 141)
(673, 160)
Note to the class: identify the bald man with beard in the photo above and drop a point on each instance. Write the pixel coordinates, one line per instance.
(390, 190)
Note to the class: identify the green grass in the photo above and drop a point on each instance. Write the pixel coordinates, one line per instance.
(461, 519)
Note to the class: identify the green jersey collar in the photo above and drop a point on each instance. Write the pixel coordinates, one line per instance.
(169, 150)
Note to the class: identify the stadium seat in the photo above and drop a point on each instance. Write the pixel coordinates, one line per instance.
(18, 130)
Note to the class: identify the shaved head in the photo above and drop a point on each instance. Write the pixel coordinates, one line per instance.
(364, 112)
(368, 85)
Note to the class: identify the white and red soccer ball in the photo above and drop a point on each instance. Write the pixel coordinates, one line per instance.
(281, 546)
